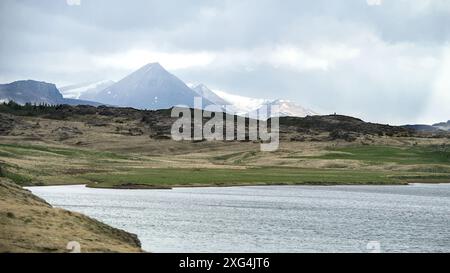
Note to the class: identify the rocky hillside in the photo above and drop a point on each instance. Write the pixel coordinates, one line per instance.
(29, 224)
(340, 127)
(157, 124)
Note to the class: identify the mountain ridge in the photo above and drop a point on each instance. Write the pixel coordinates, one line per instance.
(260, 108)
(30, 91)
(37, 92)
(443, 125)
(84, 90)
(207, 93)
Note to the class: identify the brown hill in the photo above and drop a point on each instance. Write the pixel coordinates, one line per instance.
(29, 224)
(157, 124)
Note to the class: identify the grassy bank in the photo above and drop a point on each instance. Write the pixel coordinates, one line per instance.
(29, 224)
(225, 177)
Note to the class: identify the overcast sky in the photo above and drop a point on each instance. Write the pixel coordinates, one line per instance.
(384, 61)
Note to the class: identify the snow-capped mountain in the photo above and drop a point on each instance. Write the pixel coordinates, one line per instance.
(252, 106)
(286, 108)
(84, 90)
(241, 104)
(443, 126)
(150, 87)
(203, 91)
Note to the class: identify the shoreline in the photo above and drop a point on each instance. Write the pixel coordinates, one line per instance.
(144, 187)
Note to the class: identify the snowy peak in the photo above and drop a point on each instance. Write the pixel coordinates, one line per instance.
(151, 70)
(153, 66)
(291, 109)
(85, 90)
(241, 104)
(280, 108)
(260, 108)
(203, 91)
(152, 73)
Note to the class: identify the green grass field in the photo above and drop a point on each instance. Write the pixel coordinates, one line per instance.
(385, 154)
(225, 177)
(49, 165)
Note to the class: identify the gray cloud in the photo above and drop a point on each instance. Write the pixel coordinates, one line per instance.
(379, 62)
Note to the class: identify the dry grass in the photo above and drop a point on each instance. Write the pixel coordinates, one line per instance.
(29, 224)
(40, 156)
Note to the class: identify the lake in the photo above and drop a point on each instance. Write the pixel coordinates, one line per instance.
(414, 218)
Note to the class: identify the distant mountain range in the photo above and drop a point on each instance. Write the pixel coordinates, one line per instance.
(444, 126)
(150, 87)
(36, 92)
(252, 106)
(153, 87)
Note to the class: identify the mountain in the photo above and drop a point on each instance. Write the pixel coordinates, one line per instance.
(443, 126)
(203, 91)
(30, 91)
(150, 87)
(241, 104)
(251, 106)
(422, 127)
(36, 92)
(286, 108)
(85, 90)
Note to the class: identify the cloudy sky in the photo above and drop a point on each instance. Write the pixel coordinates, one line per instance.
(385, 61)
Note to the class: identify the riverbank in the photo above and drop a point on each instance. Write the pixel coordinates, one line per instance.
(30, 224)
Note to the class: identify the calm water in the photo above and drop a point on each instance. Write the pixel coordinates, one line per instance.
(413, 218)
